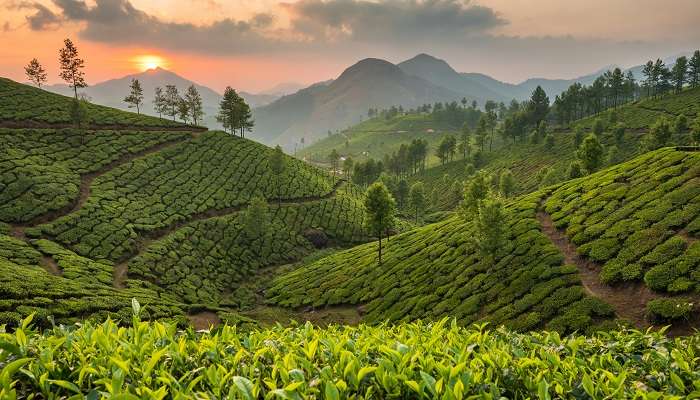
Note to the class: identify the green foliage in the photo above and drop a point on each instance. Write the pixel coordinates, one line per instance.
(380, 210)
(666, 310)
(418, 360)
(489, 225)
(23, 102)
(256, 219)
(591, 153)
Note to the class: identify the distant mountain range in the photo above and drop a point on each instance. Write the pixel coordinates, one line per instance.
(337, 104)
(310, 112)
(112, 92)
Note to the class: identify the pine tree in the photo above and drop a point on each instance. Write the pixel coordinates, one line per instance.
(228, 110)
(171, 101)
(694, 69)
(194, 104)
(679, 73)
(35, 72)
(71, 67)
(416, 198)
(135, 97)
(538, 107)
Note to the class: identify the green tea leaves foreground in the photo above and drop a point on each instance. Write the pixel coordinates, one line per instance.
(416, 360)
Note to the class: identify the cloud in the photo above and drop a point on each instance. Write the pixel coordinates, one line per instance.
(391, 20)
(42, 18)
(314, 25)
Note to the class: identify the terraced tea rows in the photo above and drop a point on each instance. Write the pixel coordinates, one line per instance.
(41, 170)
(436, 271)
(208, 258)
(25, 106)
(186, 181)
(639, 220)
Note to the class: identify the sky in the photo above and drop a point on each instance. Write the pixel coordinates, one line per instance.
(253, 45)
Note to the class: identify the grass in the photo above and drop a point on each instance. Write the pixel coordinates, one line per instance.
(417, 360)
(23, 103)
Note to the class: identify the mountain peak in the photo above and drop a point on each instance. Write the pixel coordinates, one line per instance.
(425, 62)
(371, 67)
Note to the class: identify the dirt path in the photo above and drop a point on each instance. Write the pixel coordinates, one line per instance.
(86, 184)
(121, 269)
(629, 300)
(204, 320)
(50, 265)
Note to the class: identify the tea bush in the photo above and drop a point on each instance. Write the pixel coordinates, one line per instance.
(26, 103)
(40, 168)
(408, 360)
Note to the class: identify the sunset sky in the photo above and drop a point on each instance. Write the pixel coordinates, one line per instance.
(255, 44)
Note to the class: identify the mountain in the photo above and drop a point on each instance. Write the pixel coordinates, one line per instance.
(329, 106)
(112, 92)
(282, 89)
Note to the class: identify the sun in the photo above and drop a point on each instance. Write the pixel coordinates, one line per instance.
(149, 61)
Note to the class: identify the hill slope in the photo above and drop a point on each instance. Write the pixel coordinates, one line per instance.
(130, 213)
(435, 271)
(343, 102)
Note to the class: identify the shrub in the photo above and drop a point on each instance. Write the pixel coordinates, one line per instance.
(666, 310)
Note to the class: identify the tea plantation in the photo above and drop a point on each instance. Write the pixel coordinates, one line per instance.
(28, 106)
(640, 220)
(640, 217)
(152, 360)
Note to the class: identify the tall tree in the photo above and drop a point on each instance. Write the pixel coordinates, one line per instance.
(659, 133)
(679, 73)
(490, 227)
(402, 190)
(71, 67)
(591, 153)
(538, 107)
(347, 167)
(35, 72)
(245, 117)
(648, 72)
(228, 110)
(694, 69)
(172, 100)
(334, 158)
(183, 110)
(160, 105)
(277, 166)
(416, 198)
(194, 103)
(380, 207)
(507, 183)
(135, 97)
(475, 191)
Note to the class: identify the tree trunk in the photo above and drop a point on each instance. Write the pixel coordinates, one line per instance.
(380, 248)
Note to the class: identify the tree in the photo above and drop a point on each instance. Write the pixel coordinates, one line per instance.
(380, 209)
(659, 133)
(578, 136)
(598, 127)
(680, 124)
(619, 133)
(347, 167)
(333, 158)
(575, 170)
(256, 218)
(277, 164)
(416, 198)
(194, 104)
(507, 183)
(475, 191)
(245, 117)
(228, 110)
(183, 110)
(679, 73)
(160, 104)
(135, 97)
(35, 72)
(694, 69)
(71, 67)
(482, 132)
(490, 227)
(649, 78)
(591, 153)
(538, 107)
(696, 131)
(172, 100)
(464, 141)
(549, 141)
(402, 190)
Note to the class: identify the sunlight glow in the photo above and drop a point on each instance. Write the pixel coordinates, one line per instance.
(149, 61)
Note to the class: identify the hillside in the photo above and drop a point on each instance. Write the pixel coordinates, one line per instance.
(344, 102)
(155, 215)
(112, 92)
(25, 106)
(637, 222)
